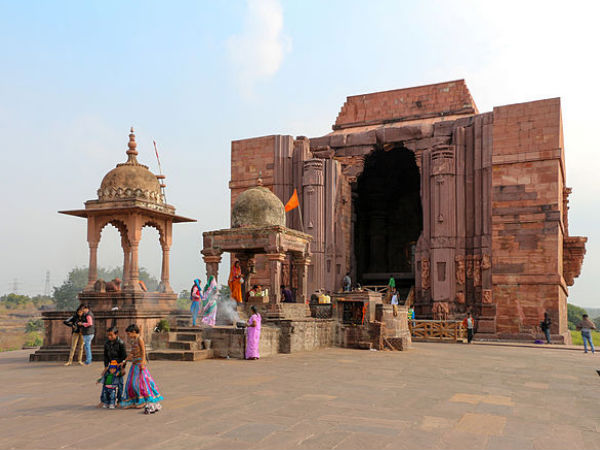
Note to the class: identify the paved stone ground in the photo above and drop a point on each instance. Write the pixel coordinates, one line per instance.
(434, 396)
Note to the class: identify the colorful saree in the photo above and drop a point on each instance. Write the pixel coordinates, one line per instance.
(235, 283)
(209, 303)
(253, 337)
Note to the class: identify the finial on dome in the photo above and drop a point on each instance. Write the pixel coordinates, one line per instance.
(132, 152)
(259, 181)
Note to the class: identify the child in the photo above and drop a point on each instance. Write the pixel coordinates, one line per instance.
(140, 389)
(110, 374)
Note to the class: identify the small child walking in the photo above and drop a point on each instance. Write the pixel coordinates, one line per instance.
(140, 390)
(109, 380)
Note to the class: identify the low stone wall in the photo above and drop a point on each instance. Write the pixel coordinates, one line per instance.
(230, 342)
(304, 334)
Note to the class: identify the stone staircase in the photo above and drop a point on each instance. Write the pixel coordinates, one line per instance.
(185, 344)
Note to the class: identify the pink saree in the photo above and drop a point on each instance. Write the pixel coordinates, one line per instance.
(253, 337)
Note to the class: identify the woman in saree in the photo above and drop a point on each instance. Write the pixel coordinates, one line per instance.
(253, 334)
(195, 296)
(208, 305)
(235, 282)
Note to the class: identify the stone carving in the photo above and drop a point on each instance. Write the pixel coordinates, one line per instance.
(470, 266)
(486, 296)
(460, 270)
(440, 311)
(425, 273)
(476, 271)
(111, 286)
(460, 298)
(485, 262)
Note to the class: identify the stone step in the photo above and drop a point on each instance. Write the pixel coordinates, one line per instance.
(186, 329)
(182, 345)
(188, 336)
(179, 355)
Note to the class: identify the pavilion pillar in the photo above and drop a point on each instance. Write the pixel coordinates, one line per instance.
(126, 261)
(165, 286)
(302, 269)
(212, 265)
(275, 260)
(134, 271)
(93, 267)
(247, 265)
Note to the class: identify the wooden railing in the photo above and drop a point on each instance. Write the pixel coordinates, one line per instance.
(437, 330)
(375, 287)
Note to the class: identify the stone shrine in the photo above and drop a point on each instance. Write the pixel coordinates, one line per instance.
(469, 208)
(130, 198)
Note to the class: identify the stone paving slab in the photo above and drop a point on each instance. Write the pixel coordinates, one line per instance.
(434, 396)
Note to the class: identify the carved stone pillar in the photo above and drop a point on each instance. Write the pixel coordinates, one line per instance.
(93, 267)
(275, 260)
(212, 265)
(126, 262)
(301, 265)
(165, 286)
(134, 270)
(247, 265)
(314, 221)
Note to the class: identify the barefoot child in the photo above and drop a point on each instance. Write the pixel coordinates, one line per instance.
(110, 375)
(140, 389)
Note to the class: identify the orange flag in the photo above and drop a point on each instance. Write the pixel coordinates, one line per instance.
(292, 202)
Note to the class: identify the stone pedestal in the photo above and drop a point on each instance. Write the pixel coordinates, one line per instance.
(144, 309)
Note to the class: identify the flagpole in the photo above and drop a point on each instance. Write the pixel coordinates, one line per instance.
(301, 221)
(162, 185)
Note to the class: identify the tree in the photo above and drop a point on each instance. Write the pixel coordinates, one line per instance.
(65, 296)
(574, 315)
(15, 301)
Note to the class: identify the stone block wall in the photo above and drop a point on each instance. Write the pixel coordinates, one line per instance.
(528, 180)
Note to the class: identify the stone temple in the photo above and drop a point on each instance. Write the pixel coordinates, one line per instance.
(469, 209)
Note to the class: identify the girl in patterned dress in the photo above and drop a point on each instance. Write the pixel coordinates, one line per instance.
(140, 389)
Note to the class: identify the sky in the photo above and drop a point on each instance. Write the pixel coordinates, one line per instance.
(196, 75)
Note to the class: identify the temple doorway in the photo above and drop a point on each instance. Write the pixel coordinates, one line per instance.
(388, 217)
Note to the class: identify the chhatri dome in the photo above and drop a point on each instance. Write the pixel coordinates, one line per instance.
(257, 207)
(131, 180)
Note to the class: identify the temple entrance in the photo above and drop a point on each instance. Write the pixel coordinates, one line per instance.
(388, 217)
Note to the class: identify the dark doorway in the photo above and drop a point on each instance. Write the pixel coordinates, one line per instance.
(388, 217)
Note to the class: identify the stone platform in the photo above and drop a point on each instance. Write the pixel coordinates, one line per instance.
(440, 396)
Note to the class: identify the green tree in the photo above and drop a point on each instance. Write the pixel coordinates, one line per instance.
(34, 325)
(574, 315)
(65, 295)
(15, 301)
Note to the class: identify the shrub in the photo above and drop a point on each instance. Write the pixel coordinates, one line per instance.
(162, 326)
(33, 339)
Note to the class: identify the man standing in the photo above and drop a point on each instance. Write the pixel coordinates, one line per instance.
(347, 282)
(586, 326)
(469, 323)
(545, 326)
(114, 350)
(88, 330)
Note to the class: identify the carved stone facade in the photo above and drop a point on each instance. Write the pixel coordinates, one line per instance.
(487, 231)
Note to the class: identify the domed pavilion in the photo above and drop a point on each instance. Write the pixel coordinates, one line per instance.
(258, 227)
(130, 198)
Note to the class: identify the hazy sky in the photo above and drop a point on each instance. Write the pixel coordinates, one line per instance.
(195, 75)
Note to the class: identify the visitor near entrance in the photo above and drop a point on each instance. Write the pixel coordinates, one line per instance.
(76, 336)
(347, 282)
(235, 282)
(586, 326)
(469, 323)
(287, 295)
(209, 303)
(545, 326)
(253, 334)
(88, 330)
(110, 385)
(141, 390)
(114, 350)
(391, 283)
(195, 296)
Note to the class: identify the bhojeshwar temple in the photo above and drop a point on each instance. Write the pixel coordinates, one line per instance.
(465, 211)
(468, 209)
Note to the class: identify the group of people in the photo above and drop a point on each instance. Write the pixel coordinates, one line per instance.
(204, 302)
(140, 390)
